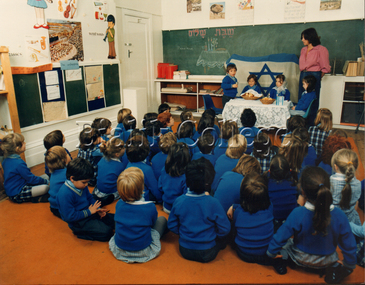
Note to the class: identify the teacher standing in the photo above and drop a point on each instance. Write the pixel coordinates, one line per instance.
(313, 60)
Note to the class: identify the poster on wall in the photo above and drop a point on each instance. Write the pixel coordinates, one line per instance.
(67, 8)
(330, 5)
(65, 39)
(39, 7)
(294, 10)
(245, 12)
(193, 6)
(37, 49)
(100, 10)
(94, 82)
(217, 10)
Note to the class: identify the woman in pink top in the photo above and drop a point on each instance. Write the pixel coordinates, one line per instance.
(313, 60)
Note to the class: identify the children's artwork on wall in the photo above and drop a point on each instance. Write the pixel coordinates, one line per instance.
(94, 82)
(110, 37)
(39, 6)
(67, 8)
(330, 5)
(65, 38)
(193, 6)
(294, 10)
(54, 111)
(37, 49)
(244, 13)
(217, 10)
(101, 10)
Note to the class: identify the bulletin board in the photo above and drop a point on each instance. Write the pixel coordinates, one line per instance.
(75, 94)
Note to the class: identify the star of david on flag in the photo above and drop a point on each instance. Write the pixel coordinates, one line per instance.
(266, 68)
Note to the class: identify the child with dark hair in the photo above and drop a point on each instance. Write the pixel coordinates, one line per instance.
(164, 108)
(248, 129)
(149, 117)
(78, 207)
(138, 230)
(317, 229)
(88, 149)
(229, 84)
(52, 139)
(184, 134)
(171, 183)
(280, 88)
(153, 132)
(198, 218)
(292, 123)
(282, 185)
(158, 161)
(311, 157)
(104, 126)
(188, 116)
(228, 189)
(321, 130)
(229, 129)
(122, 113)
(206, 145)
(253, 223)
(226, 162)
(294, 149)
(345, 188)
(309, 84)
(56, 159)
(207, 124)
(263, 151)
(137, 151)
(252, 84)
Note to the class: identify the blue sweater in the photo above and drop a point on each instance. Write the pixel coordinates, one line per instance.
(228, 190)
(254, 231)
(73, 203)
(58, 178)
(305, 100)
(274, 93)
(133, 223)
(119, 129)
(255, 87)
(249, 134)
(191, 144)
(221, 147)
(17, 175)
(326, 167)
(150, 181)
(158, 162)
(212, 157)
(300, 225)
(283, 197)
(198, 219)
(171, 188)
(108, 172)
(227, 83)
(222, 165)
(310, 158)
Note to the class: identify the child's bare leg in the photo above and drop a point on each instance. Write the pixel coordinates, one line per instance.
(39, 190)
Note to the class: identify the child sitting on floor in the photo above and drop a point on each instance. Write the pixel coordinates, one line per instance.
(57, 160)
(321, 129)
(78, 207)
(229, 129)
(248, 129)
(198, 218)
(263, 151)
(206, 145)
(104, 126)
(19, 183)
(137, 229)
(121, 115)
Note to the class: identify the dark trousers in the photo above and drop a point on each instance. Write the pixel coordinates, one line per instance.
(94, 228)
(56, 212)
(225, 99)
(259, 259)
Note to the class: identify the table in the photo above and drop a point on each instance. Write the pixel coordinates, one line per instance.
(267, 115)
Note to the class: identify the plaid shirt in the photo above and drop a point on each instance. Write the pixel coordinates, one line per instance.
(317, 138)
(89, 155)
(265, 162)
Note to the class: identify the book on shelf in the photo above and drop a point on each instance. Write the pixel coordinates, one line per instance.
(360, 68)
(219, 91)
(176, 107)
(351, 68)
(205, 91)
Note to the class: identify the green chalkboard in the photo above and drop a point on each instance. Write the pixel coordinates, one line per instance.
(76, 95)
(186, 47)
(111, 84)
(28, 99)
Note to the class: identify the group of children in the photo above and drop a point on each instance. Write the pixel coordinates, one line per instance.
(219, 186)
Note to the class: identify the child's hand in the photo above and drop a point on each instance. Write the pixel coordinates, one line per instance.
(235, 85)
(102, 212)
(293, 108)
(230, 213)
(93, 208)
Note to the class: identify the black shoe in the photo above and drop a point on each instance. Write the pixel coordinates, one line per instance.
(279, 265)
(40, 199)
(335, 275)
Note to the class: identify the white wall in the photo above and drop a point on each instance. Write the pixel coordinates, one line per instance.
(175, 16)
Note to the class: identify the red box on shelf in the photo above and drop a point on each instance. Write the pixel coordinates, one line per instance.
(170, 71)
(161, 70)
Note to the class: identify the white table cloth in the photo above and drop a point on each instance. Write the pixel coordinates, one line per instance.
(267, 115)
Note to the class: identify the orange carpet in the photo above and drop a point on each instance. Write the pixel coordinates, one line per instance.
(38, 248)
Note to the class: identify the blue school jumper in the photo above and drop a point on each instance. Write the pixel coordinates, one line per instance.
(249, 134)
(305, 100)
(227, 83)
(119, 129)
(228, 190)
(158, 162)
(212, 157)
(222, 165)
(108, 172)
(58, 178)
(255, 87)
(274, 93)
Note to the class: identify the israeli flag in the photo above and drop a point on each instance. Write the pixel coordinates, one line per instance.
(266, 68)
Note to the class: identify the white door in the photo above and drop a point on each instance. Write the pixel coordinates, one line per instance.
(135, 49)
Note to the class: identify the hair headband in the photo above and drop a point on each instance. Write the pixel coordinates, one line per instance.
(320, 185)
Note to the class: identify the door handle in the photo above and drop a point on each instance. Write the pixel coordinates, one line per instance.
(129, 53)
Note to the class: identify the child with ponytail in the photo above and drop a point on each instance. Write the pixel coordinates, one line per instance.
(317, 228)
(345, 188)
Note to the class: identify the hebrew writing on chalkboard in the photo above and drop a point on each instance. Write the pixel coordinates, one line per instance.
(39, 6)
(65, 39)
(53, 111)
(294, 10)
(244, 14)
(94, 82)
(37, 49)
(217, 10)
(193, 5)
(330, 5)
(67, 8)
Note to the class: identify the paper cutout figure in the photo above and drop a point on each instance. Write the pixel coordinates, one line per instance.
(39, 6)
(110, 33)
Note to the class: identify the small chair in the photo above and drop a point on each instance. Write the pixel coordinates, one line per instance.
(305, 116)
(208, 104)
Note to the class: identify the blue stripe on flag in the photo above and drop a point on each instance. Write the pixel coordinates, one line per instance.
(280, 57)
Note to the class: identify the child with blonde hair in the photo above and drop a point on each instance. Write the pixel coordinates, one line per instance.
(137, 229)
(122, 113)
(294, 150)
(321, 129)
(19, 183)
(56, 159)
(345, 188)
(109, 168)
